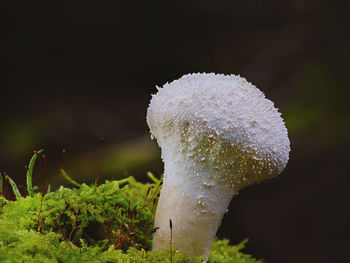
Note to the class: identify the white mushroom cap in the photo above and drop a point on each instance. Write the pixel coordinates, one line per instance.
(218, 134)
(223, 121)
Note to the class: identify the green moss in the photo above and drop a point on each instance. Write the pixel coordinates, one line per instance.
(112, 222)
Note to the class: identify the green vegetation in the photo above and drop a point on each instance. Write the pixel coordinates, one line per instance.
(111, 222)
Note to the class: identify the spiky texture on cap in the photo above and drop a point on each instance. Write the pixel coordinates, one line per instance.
(222, 122)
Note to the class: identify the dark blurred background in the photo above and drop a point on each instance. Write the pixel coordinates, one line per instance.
(79, 70)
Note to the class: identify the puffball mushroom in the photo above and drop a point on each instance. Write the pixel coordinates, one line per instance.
(218, 134)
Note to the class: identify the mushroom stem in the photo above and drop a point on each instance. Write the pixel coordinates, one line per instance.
(195, 206)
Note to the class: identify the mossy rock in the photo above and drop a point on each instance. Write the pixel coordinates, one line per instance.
(112, 222)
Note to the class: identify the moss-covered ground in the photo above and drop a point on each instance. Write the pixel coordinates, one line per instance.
(110, 222)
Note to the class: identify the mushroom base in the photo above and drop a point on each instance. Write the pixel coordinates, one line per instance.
(196, 208)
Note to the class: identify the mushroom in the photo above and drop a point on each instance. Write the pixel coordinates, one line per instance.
(218, 134)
